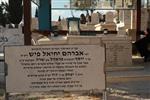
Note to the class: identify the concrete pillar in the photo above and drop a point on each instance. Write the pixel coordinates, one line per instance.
(44, 15)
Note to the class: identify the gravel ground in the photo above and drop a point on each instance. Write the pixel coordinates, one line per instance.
(113, 95)
(53, 96)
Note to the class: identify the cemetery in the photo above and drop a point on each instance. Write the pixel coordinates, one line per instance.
(76, 47)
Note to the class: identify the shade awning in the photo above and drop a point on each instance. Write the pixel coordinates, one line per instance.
(37, 2)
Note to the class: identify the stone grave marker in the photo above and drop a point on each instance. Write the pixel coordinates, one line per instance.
(63, 24)
(95, 18)
(109, 17)
(11, 37)
(52, 68)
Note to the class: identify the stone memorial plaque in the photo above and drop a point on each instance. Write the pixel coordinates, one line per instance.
(61, 67)
(11, 37)
(118, 54)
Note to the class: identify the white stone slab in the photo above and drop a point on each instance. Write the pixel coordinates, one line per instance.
(61, 67)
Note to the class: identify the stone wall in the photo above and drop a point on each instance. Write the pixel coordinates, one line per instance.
(118, 49)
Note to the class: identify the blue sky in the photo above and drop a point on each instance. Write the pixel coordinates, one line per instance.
(57, 13)
(62, 13)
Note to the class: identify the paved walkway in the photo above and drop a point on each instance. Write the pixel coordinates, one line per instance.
(137, 73)
(139, 68)
(130, 84)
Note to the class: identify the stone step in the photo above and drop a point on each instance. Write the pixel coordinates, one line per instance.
(124, 68)
(112, 79)
(129, 75)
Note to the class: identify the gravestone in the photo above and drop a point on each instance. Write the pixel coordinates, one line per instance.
(55, 68)
(63, 24)
(109, 23)
(118, 51)
(117, 54)
(127, 19)
(94, 18)
(11, 37)
(109, 17)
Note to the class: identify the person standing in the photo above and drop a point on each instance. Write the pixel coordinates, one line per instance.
(142, 44)
(82, 19)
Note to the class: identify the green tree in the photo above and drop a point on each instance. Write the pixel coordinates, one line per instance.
(3, 14)
(15, 11)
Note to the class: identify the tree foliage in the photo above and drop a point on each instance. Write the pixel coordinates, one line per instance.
(4, 14)
(15, 11)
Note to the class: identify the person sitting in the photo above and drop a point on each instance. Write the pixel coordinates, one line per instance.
(142, 44)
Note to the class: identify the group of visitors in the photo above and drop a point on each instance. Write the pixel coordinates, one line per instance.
(84, 19)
